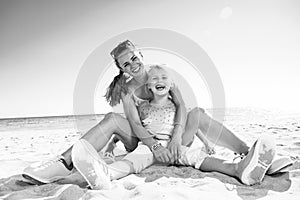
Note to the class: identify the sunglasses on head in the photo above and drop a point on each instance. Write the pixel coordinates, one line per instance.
(121, 47)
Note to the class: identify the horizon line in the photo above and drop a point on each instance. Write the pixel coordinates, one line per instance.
(73, 115)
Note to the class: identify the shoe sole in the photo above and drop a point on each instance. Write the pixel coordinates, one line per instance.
(264, 152)
(39, 181)
(32, 180)
(280, 165)
(89, 164)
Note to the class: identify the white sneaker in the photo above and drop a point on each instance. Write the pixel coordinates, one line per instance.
(89, 164)
(255, 165)
(47, 171)
(280, 165)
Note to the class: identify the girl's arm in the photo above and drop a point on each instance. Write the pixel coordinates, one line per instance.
(160, 153)
(133, 117)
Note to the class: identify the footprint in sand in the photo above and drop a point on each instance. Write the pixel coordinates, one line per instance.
(297, 143)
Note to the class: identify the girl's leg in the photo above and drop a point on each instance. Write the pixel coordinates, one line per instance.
(120, 169)
(252, 168)
(134, 162)
(211, 164)
(99, 135)
(218, 133)
(95, 171)
(99, 174)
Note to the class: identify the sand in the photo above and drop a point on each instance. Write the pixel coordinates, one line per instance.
(25, 141)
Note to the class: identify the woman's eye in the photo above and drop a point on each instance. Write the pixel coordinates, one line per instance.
(134, 58)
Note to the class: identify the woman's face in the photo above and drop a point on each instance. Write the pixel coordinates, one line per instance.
(131, 62)
(159, 81)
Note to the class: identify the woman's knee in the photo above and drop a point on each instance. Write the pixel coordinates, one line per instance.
(199, 114)
(111, 117)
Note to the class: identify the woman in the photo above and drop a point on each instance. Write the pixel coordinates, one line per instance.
(129, 130)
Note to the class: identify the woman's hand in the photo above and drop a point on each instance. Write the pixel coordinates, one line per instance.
(176, 95)
(163, 155)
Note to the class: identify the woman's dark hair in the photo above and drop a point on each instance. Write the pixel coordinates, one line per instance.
(118, 85)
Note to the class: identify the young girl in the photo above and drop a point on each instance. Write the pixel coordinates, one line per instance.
(157, 117)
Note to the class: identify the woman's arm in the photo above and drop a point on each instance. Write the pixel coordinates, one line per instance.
(181, 114)
(179, 122)
(160, 153)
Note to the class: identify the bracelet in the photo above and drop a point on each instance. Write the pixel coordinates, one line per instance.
(178, 123)
(155, 146)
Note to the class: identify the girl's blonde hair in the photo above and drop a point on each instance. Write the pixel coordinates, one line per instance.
(157, 67)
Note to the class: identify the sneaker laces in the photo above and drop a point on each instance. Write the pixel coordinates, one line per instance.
(106, 155)
(110, 156)
(47, 163)
(240, 156)
(92, 172)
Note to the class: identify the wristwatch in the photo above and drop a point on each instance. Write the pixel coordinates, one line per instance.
(155, 147)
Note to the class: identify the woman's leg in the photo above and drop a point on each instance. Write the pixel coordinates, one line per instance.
(218, 133)
(100, 134)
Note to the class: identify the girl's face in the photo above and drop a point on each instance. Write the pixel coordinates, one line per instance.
(131, 62)
(159, 81)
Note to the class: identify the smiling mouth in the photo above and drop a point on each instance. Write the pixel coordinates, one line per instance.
(160, 87)
(137, 69)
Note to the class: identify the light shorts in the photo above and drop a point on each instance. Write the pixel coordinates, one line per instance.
(142, 157)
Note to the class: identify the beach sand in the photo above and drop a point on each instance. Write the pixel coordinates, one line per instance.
(25, 141)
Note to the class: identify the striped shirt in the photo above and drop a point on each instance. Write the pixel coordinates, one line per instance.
(158, 119)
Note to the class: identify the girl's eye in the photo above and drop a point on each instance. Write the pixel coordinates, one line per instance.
(164, 77)
(134, 58)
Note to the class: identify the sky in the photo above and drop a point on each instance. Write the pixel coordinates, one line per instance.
(254, 45)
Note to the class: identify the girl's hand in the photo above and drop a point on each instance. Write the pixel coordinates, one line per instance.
(209, 149)
(163, 155)
(174, 147)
